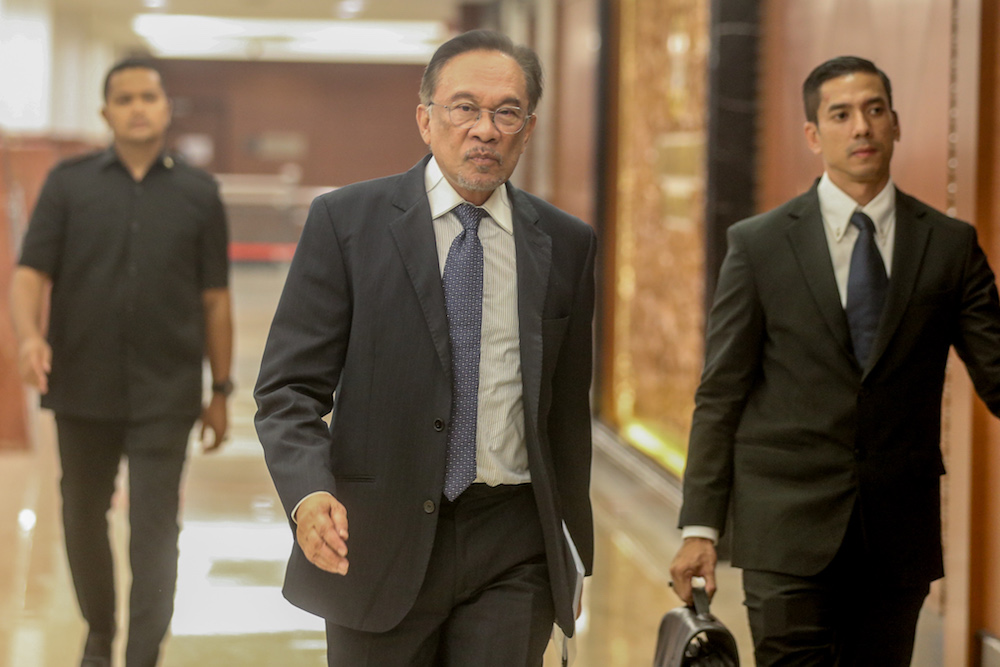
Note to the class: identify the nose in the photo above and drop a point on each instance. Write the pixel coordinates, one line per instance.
(862, 124)
(484, 128)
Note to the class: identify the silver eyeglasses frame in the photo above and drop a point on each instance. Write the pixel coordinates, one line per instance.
(479, 114)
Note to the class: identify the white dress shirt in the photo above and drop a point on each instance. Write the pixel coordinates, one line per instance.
(501, 452)
(837, 207)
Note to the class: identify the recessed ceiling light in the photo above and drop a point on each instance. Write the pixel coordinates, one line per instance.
(348, 9)
(187, 36)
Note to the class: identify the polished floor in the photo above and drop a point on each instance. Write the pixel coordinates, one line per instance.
(234, 541)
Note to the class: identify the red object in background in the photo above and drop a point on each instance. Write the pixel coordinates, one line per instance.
(261, 252)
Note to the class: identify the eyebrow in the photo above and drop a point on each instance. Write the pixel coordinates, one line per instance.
(877, 99)
(512, 100)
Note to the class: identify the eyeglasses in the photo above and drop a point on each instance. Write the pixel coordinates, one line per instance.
(509, 120)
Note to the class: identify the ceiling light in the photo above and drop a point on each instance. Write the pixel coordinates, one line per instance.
(181, 36)
(348, 9)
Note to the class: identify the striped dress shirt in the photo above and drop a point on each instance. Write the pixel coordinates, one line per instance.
(501, 453)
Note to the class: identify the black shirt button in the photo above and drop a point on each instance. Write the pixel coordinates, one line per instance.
(429, 507)
(438, 425)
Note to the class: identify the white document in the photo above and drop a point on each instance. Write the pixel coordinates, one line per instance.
(580, 571)
(568, 648)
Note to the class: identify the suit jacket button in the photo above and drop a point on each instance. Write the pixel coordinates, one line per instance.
(429, 506)
(438, 425)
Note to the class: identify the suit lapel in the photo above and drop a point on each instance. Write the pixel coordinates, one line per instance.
(413, 232)
(533, 248)
(812, 250)
(912, 235)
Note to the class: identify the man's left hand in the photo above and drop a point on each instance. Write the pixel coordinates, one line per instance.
(215, 418)
(696, 558)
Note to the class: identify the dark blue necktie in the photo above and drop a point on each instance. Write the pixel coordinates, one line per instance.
(866, 288)
(463, 298)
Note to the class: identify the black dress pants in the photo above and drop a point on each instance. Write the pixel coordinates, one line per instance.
(90, 453)
(848, 615)
(485, 600)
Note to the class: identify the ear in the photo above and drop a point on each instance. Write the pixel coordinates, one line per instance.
(104, 115)
(895, 125)
(812, 137)
(424, 123)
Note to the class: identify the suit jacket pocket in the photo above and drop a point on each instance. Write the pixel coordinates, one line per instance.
(354, 479)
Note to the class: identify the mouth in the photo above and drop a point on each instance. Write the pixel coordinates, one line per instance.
(484, 158)
(864, 151)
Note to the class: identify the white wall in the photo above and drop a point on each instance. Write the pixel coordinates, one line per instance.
(79, 65)
(51, 72)
(25, 65)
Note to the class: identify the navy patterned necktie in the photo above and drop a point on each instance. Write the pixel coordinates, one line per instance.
(463, 298)
(866, 288)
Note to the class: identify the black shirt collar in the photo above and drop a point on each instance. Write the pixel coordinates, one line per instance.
(110, 157)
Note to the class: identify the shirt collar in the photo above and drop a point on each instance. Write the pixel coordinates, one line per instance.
(837, 207)
(443, 198)
(110, 157)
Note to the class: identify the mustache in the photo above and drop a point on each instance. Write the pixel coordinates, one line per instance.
(484, 152)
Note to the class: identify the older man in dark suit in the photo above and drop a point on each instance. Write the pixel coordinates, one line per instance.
(819, 412)
(443, 516)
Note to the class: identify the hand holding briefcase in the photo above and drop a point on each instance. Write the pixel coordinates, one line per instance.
(693, 637)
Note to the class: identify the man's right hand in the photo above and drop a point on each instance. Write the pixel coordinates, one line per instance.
(695, 558)
(322, 532)
(35, 363)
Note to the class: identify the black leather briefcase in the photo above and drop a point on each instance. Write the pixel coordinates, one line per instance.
(692, 637)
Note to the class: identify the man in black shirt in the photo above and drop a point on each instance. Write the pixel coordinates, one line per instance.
(133, 245)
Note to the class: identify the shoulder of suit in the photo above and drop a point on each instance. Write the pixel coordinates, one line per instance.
(364, 189)
(780, 216)
(923, 211)
(547, 212)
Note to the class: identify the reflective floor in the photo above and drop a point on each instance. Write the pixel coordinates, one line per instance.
(234, 542)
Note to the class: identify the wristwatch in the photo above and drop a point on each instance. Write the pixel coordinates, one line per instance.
(225, 387)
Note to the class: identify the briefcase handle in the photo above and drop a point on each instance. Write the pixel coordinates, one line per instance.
(700, 600)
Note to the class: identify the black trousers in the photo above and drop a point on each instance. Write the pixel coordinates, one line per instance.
(848, 615)
(485, 600)
(90, 453)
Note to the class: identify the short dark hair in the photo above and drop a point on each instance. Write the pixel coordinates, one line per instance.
(130, 63)
(484, 40)
(831, 69)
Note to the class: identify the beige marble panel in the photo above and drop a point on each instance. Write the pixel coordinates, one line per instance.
(659, 276)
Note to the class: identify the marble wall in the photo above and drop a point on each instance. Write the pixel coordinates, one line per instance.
(657, 266)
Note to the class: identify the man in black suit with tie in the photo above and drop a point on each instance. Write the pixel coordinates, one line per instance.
(818, 416)
(442, 318)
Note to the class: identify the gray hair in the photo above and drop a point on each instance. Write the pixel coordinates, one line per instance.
(484, 40)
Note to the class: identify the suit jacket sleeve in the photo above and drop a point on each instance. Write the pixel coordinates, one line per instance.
(734, 341)
(302, 363)
(977, 334)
